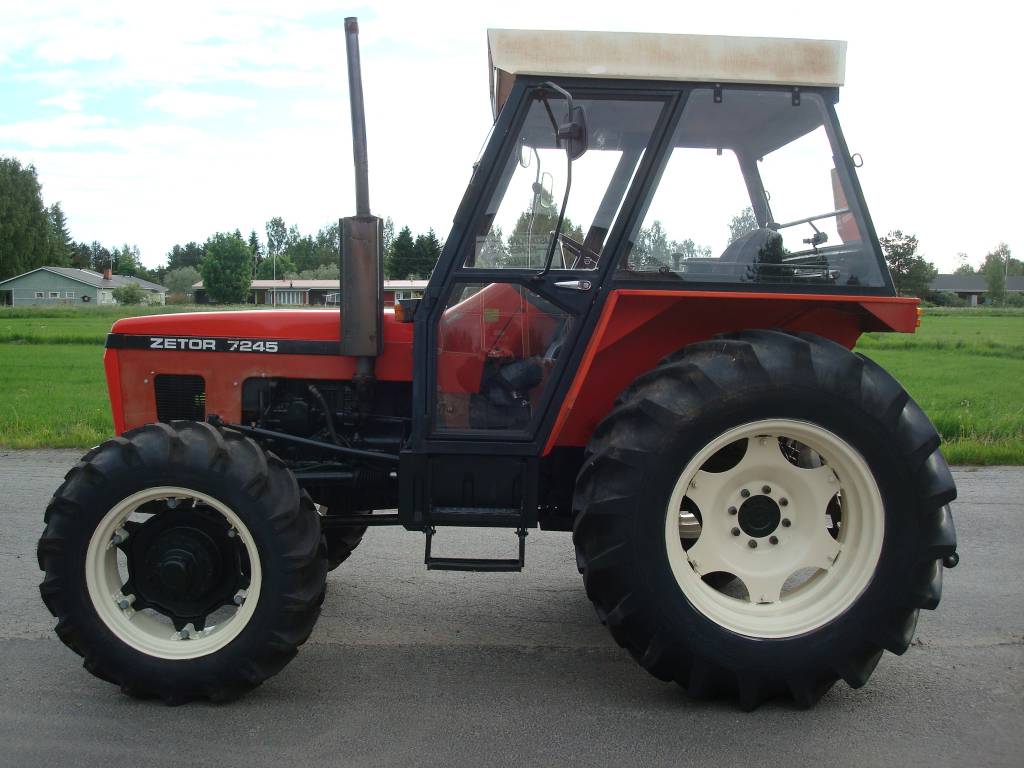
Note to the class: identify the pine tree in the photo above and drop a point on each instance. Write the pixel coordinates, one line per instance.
(426, 252)
(61, 244)
(24, 223)
(401, 256)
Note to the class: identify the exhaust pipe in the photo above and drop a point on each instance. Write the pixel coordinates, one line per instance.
(362, 274)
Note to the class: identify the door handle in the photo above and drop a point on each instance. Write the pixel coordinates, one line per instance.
(574, 285)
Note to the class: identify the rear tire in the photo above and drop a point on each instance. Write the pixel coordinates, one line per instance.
(745, 390)
(196, 512)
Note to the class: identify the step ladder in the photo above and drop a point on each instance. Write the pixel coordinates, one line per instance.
(477, 564)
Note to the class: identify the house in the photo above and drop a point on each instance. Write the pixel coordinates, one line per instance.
(76, 287)
(972, 288)
(323, 293)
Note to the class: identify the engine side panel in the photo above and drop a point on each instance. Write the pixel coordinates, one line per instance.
(227, 348)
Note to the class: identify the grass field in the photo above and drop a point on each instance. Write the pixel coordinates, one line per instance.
(964, 367)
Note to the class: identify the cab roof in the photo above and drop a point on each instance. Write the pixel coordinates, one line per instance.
(654, 56)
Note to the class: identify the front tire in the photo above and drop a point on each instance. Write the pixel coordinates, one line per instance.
(182, 562)
(819, 488)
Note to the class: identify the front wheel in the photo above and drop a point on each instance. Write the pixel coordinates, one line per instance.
(182, 562)
(762, 515)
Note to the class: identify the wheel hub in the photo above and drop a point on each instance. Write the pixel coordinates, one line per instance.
(759, 516)
(184, 563)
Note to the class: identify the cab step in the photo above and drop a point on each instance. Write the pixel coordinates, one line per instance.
(476, 564)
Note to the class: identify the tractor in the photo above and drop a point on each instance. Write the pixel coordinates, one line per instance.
(639, 331)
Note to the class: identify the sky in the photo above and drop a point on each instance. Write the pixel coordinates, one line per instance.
(155, 124)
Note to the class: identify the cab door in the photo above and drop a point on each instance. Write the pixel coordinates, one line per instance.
(516, 286)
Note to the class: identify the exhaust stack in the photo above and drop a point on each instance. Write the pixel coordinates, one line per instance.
(362, 276)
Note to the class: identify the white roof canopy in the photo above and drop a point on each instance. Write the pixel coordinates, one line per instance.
(651, 56)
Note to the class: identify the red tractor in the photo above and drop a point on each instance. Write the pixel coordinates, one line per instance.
(756, 510)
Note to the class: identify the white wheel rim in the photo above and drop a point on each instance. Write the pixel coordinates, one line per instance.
(139, 629)
(845, 561)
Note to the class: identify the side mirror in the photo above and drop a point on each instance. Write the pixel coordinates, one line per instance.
(574, 132)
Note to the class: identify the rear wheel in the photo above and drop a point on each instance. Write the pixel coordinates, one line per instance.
(764, 514)
(182, 562)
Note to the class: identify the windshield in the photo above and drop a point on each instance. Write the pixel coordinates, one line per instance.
(522, 214)
(751, 192)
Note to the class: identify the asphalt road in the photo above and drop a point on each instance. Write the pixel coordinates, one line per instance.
(409, 667)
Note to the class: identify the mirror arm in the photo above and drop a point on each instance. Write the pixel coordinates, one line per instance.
(561, 219)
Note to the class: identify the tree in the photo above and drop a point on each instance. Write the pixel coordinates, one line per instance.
(131, 293)
(530, 239)
(911, 274)
(226, 269)
(99, 257)
(493, 251)
(182, 279)
(81, 256)
(25, 239)
(387, 233)
(996, 268)
(963, 266)
(256, 250)
(653, 250)
(401, 257)
(276, 268)
(127, 261)
(61, 243)
(426, 252)
(191, 255)
(277, 236)
(742, 223)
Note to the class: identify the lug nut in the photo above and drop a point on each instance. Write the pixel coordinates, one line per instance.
(732, 510)
(783, 502)
(785, 522)
(123, 604)
(735, 531)
(773, 539)
(766, 489)
(744, 493)
(752, 544)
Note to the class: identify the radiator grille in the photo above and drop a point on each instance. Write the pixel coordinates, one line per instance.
(180, 397)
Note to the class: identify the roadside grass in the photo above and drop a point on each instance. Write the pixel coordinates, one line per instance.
(54, 396)
(964, 367)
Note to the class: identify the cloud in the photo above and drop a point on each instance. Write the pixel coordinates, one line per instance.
(196, 104)
(70, 101)
(213, 114)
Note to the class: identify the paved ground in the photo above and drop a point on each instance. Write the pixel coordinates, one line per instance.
(408, 667)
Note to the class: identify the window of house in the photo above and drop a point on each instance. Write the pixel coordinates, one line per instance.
(54, 294)
(40, 295)
(69, 294)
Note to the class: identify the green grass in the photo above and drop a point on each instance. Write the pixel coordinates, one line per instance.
(965, 367)
(54, 396)
(77, 325)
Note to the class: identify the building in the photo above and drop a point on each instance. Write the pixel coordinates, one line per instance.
(313, 293)
(74, 287)
(973, 288)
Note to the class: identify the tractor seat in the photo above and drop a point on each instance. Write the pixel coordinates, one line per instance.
(747, 250)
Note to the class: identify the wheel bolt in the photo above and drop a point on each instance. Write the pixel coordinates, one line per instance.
(773, 539)
(766, 489)
(123, 604)
(732, 510)
(744, 493)
(752, 544)
(735, 531)
(783, 502)
(785, 522)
